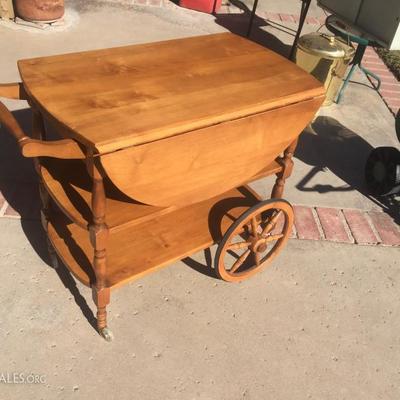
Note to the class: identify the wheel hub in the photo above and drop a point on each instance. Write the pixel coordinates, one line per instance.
(259, 246)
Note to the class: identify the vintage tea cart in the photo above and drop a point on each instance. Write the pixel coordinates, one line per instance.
(157, 142)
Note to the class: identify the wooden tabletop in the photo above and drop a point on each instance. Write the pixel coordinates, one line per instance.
(115, 98)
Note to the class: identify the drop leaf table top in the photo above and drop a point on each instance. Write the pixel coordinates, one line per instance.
(119, 97)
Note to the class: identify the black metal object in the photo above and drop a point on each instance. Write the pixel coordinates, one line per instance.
(382, 170)
(305, 5)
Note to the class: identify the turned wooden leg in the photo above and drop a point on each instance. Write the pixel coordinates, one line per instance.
(287, 164)
(101, 298)
(39, 132)
(98, 237)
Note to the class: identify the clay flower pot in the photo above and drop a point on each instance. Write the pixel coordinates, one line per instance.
(39, 10)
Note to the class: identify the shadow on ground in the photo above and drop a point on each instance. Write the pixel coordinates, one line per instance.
(238, 23)
(329, 144)
(19, 187)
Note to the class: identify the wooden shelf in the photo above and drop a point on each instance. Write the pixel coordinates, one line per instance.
(70, 186)
(137, 250)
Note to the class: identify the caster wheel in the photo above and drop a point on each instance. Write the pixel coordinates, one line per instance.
(107, 334)
(254, 240)
(382, 171)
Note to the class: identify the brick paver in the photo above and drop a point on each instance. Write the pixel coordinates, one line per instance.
(305, 223)
(2, 201)
(386, 228)
(359, 227)
(332, 225)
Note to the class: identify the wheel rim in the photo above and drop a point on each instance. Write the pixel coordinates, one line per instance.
(254, 240)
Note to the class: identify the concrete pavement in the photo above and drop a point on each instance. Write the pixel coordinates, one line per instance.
(321, 323)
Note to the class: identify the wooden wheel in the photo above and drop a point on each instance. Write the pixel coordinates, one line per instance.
(254, 240)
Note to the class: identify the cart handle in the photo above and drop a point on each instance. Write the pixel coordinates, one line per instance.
(65, 148)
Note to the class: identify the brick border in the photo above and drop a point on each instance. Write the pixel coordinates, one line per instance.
(338, 225)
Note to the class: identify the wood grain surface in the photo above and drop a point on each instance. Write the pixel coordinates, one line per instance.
(115, 98)
(143, 248)
(195, 166)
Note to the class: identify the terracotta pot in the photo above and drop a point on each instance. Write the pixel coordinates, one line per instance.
(39, 10)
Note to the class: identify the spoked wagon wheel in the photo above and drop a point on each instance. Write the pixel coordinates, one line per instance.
(254, 240)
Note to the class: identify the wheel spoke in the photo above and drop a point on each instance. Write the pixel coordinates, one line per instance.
(239, 261)
(254, 226)
(257, 258)
(272, 238)
(237, 246)
(271, 224)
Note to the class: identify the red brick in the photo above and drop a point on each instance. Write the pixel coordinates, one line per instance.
(381, 70)
(393, 104)
(387, 78)
(305, 223)
(390, 85)
(272, 16)
(279, 226)
(10, 212)
(332, 225)
(384, 73)
(392, 100)
(2, 200)
(390, 95)
(286, 17)
(359, 227)
(373, 60)
(394, 109)
(370, 50)
(386, 228)
(312, 21)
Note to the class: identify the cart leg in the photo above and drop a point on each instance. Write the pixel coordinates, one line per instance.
(98, 237)
(101, 298)
(39, 132)
(287, 163)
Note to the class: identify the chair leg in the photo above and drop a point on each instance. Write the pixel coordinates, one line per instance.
(252, 15)
(368, 73)
(345, 83)
(305, 5)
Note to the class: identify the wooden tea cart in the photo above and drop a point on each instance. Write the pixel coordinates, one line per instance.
(157, 143)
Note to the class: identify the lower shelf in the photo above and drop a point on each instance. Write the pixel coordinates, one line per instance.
(139, 249)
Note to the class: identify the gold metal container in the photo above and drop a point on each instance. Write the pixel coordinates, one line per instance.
(326, 58)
